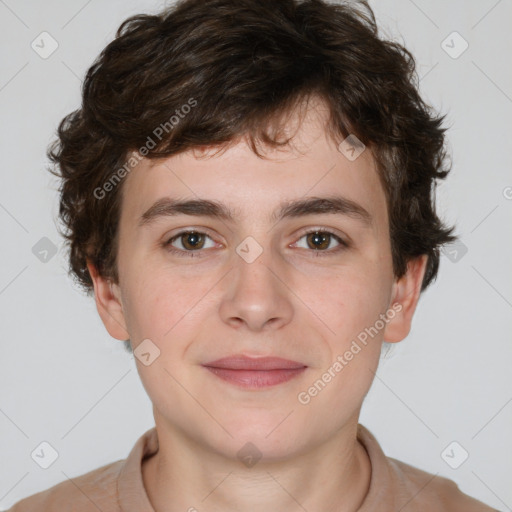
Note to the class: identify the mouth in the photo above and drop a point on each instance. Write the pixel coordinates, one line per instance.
(255, 373)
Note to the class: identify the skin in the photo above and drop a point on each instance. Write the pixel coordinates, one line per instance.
(291, 302)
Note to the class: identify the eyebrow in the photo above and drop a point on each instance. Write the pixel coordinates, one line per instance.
(167, 207)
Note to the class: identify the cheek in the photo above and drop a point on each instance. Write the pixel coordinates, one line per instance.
(154, 308)
(352, 310)
(352, 300)
(168, 308)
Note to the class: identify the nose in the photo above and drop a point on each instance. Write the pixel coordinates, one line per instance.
(258, 296)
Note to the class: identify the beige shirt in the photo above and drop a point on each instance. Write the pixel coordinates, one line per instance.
(118, 487)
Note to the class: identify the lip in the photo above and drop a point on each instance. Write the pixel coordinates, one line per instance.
(255, 373)
(242, 362)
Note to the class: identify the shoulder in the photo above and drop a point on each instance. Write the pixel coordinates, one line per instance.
(399, 486)
(429, 491)
(93, 491)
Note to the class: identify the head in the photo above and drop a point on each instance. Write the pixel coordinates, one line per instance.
(240, 110)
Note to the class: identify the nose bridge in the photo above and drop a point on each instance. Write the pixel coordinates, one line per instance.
(256, 295)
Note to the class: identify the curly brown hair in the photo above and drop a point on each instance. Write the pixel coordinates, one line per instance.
(239, 66)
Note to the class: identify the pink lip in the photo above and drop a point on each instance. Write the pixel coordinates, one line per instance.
(255, 373)
(241, 362)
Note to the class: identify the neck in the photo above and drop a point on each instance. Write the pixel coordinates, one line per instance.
(184, 476)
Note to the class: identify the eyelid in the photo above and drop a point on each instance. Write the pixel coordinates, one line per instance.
(323, 229)
(189, 229)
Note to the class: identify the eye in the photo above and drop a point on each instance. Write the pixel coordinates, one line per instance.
(190, 241)
(320, 241)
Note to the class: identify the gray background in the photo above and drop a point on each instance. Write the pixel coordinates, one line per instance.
(65, 381)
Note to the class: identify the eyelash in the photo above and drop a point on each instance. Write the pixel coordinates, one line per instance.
(318, 252)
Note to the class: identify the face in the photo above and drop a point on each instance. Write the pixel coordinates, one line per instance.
(258, 276)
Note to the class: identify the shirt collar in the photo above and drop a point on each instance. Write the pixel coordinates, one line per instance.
(133, 497)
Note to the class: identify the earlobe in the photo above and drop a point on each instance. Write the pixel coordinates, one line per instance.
(108, 303)
(406, 293)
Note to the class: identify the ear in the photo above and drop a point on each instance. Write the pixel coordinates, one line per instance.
(406, 293)
(108, 303)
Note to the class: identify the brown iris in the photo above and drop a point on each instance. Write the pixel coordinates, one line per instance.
(192, 240)
(319, 240)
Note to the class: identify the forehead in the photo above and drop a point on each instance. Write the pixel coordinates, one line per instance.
(311, 165)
